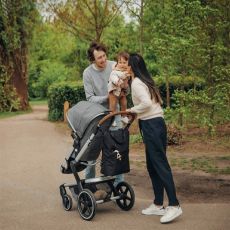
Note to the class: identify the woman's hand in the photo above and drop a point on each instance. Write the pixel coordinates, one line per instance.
(130, 72)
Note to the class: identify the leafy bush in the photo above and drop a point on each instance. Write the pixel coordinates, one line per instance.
(174, 135)
(179, 81)
(50, 73)
(8, 98)
(207, 108)
(73, 92)
(59, 93)
(176, 83)
(66, 91)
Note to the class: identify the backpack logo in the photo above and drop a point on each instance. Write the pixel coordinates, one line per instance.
(118, 155)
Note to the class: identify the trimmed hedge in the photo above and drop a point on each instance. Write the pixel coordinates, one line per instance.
(71, 92)
(59, 93)
(74, 92)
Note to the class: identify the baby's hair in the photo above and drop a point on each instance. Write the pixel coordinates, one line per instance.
(122, 54)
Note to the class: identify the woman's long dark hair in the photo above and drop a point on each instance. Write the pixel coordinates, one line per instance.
(137, 63)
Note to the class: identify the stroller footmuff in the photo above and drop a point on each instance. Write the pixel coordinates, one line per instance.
(90, 124)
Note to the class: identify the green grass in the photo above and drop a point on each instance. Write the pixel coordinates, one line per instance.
(203, 163)
(223, 158)
(32, 102)
(38, 102)
(135, 138)
(12, 114)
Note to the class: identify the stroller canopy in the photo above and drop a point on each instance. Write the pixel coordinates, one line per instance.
(81, 114)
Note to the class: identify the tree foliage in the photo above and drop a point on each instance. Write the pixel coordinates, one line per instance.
(86, 19)
(52, 59)
(182, 41)
(16, 22)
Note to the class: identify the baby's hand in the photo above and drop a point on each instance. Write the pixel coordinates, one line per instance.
(120, 83)
(127, 74)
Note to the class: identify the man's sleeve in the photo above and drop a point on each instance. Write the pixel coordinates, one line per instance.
(89, 92)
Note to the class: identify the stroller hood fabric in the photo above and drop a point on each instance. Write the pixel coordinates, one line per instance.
(81, 114)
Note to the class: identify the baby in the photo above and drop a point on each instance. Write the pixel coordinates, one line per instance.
(118, 85)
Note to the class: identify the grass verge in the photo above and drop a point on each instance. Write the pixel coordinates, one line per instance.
(33, 102)
(12, 114)
(38, 102)
(213, 165)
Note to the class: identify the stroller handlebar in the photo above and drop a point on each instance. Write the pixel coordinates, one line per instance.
(112, 114)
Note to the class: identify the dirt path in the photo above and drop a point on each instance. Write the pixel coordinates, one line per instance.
(31, 150)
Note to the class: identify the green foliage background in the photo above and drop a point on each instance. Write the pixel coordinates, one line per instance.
(185, 43)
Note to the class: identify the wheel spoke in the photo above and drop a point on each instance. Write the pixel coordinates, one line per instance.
(125, 203)
(121, 190)
(84, 209)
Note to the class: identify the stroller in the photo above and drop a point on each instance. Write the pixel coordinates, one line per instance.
(90, 124)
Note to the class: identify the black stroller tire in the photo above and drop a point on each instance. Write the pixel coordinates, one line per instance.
(67, 202)
(127, 196)
(62, 190)
(86, 204)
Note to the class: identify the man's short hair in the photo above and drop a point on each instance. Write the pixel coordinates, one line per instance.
(95, 46)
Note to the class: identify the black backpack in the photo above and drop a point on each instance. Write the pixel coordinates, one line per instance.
(115, 152)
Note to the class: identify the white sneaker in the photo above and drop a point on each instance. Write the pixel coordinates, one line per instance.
(125, 120)
(171, 213)
(154, 210)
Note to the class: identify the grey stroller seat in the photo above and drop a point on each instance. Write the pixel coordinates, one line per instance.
(83, 118)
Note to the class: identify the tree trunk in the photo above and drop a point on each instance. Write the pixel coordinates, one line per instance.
(211, 128)
(167, 92)
(141, 27)
(19, 77)
(181, 115)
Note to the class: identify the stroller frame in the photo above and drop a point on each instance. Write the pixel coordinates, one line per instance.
(81, 191)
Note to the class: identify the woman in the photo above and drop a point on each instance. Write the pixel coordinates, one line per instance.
(147, 105)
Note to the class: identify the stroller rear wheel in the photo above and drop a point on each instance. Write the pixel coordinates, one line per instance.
(67, 202)
(127, 196)
(86, 204)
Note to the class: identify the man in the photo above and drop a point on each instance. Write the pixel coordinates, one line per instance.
(95, 79)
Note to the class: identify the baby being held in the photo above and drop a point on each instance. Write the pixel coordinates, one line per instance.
(118, 85)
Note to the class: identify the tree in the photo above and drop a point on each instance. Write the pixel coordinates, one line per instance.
(137, 8)
(16, 19)
(214, 29)
(52, 59)
(160, 38)
(203, 48)
(86, 19)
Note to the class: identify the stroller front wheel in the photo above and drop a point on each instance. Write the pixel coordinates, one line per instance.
(67, 202)
(127, 196)
(86, 204)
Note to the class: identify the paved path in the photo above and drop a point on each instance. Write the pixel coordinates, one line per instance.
(31, 150)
